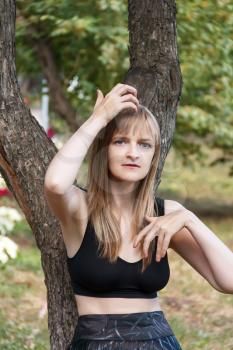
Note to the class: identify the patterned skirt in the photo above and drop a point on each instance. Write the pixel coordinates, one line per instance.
(134, 331)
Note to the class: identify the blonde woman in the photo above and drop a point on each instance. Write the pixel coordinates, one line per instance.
(117, 231)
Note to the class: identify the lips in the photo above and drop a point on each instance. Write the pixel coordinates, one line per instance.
(132, 165)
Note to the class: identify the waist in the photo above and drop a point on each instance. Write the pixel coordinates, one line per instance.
(133, 326)
(92, 305)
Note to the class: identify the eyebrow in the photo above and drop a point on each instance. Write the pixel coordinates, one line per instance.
(125, 137)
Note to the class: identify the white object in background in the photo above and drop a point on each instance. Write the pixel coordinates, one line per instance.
(8, 248)
(8, 217)
(73, 83)
(45, 105)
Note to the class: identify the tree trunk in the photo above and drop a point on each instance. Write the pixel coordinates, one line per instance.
(154, 64)
(25, 150)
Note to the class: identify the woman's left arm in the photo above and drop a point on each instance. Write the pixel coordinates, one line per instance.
(218, 256)
(181, 230)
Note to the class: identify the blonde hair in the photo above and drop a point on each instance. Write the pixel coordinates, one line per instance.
(106, 226)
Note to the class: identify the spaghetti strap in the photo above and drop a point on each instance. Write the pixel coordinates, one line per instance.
(160, 204)
(81, 187)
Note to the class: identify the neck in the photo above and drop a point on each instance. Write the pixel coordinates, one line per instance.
(123, 196)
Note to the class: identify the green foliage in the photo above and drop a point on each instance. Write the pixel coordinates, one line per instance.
(90, 40)
(205, 32)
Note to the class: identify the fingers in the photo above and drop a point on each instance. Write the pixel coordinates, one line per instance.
(100, 97)
(130, 105)
(100, 94)
(160, 244)
(122, 89)
(130, 98)
(166, 242)
(127, 95)
(130, 101)
(142, 233)
(150, 236)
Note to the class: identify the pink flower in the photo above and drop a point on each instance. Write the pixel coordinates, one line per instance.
(50, 132)
(5, 192)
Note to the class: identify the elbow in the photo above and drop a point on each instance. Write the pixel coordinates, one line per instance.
(224, 289)
(227, 290)
(52, 187)
(49, 186)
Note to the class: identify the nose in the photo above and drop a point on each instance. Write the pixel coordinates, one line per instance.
(132, 151)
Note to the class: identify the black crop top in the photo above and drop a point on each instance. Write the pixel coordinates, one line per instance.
(92, 275)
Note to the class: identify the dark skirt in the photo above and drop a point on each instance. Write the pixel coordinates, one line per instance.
(134, 331)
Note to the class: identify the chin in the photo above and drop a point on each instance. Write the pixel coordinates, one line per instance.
(129, 178)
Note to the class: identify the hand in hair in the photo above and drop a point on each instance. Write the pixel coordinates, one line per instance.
(121, 96)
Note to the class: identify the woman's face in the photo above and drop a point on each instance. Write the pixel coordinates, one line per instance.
(132, 148)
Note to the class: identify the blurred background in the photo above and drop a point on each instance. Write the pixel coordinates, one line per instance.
(65, 50)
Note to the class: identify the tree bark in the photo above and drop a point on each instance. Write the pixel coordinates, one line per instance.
(154, 64)
(25, 150)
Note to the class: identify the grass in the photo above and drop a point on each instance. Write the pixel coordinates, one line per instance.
(15, 335)
(22, 297)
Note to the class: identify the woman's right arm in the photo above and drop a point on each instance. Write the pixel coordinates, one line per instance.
(62, 195)
(64, 167)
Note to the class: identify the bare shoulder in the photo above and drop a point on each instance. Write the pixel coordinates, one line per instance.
(171, 205)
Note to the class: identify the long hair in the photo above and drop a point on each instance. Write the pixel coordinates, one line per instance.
(106, 225)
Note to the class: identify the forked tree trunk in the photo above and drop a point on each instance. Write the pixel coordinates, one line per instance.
(25, 150)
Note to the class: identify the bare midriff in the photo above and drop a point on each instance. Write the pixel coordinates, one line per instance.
(91, 305)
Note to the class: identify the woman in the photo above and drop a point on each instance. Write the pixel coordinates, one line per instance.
(117, 232)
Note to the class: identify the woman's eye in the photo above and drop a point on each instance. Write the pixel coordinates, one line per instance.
(143, 143)
(149, 146)
(118, 141)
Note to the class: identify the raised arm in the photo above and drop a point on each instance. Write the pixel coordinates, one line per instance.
(64, 167)
(64, 198)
